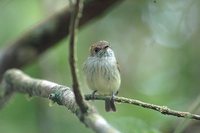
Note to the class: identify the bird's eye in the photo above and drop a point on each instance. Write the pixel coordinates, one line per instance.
(97, 50)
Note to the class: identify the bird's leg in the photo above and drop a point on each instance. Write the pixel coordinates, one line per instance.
(93, 94)
(112, 97)
(116, 93)
(112, 103)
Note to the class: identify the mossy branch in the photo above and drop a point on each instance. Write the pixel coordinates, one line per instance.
(16, 81)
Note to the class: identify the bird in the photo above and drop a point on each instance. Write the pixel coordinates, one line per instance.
(102, 72)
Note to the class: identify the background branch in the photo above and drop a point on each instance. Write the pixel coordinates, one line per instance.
(75, 15)
(16, 81)
(38, 39)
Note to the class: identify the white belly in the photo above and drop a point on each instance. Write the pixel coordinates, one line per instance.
(103, 76)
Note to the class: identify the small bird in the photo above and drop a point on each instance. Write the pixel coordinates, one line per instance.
(102, 72)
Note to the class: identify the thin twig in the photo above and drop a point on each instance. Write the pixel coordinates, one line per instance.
(194, 107)
(76, 14)
(162, 109)
(16, 81)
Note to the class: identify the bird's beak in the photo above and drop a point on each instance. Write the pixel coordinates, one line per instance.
(106, 47)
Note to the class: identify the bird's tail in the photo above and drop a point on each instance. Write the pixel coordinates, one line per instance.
(110, 105)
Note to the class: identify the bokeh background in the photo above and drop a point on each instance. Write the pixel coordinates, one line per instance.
(157, 46)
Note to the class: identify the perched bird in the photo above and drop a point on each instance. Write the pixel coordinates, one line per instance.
(102, 72)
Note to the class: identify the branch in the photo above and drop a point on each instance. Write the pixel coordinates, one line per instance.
(38, 39)
(16, 81)
(75, 15)
(162, 109)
